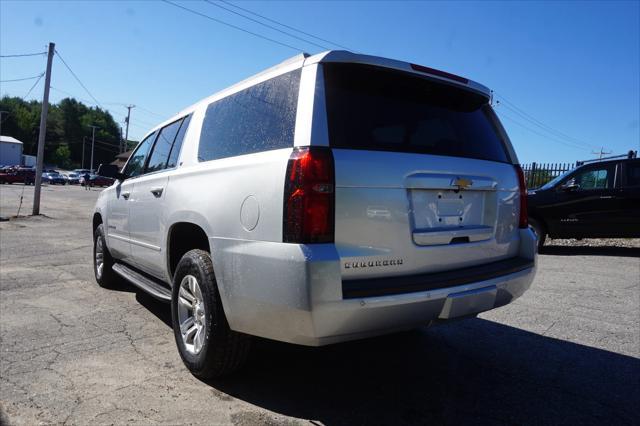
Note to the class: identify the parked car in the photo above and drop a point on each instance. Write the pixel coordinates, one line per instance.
(53, 178)
(96, 180)
(599, 199)
(73, 178)
(397, 201)
(17, 174)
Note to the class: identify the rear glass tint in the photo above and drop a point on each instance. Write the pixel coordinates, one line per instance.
(373, 108)
(260, 118)
(633, 173)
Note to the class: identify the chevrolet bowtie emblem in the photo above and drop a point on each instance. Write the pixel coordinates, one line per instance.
(462, 183)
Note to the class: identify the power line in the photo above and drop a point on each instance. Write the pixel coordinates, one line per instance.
(284, 25)
(502, 114)
(219, 21)
(23, 55)
(32, 87)
(107, 145)
(164, 117)
(113, 113)
(544, 128)
(77, 79)
(22, 79)
(510, 105)
(266, 25)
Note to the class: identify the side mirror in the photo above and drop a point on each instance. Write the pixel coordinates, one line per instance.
(110, 171)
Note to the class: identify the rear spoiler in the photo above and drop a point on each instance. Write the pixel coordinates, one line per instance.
(349, 57)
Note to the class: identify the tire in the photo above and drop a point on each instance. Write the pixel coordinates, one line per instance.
(215, 350)
(105, 278)
(540, 231)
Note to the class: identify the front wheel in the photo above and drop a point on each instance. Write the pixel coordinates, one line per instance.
(207, 346)
(102, 261)
(540, 231)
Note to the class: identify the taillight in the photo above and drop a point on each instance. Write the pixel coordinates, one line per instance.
(524, 218)
(309, 197)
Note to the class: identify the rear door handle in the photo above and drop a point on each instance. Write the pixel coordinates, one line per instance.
(606, 197)
(157, 192)
(125, 194)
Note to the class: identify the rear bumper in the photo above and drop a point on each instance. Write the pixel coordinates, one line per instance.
(294, 293)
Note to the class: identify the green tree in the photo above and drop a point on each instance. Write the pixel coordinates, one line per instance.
(68, 124)
(62, 157)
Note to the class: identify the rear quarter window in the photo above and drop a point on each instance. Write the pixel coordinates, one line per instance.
(632, 174)
(373, 108)
(260, 118)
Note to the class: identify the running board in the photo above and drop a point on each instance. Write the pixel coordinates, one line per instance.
(150, 286)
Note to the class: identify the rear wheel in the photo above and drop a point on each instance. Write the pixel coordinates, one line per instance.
(207, 346)
(540, 231)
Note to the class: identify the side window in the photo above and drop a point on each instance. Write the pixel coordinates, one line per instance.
(175, 150)
(600, 178)
(633, 174)
(135, 164)
(260, 118)
(162, 147)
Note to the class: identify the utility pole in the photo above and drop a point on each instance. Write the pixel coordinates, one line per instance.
(601, 153)
(83, 143)
(2, 112)
(93, 144)
(126, 135)
(43, 131)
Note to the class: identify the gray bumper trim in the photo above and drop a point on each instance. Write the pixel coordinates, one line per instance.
(423, 282)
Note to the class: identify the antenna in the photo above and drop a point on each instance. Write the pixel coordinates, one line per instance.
(601, 153)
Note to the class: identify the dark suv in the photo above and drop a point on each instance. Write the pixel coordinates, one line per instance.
(598, 199)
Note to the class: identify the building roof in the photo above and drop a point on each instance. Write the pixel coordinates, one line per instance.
(9, 139)
(121, 159)
(125, 155)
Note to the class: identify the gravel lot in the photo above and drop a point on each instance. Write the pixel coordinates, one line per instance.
(566, 352)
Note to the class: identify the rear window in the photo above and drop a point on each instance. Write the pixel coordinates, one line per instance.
(260, 118)
(373, 108)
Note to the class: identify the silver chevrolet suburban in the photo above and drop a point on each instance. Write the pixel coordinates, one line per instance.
(329, 198)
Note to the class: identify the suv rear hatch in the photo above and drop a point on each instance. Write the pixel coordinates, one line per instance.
(424, 181)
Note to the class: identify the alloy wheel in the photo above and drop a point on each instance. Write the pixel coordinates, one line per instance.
(191, 314)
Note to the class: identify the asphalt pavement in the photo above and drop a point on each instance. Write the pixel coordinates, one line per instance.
(567, 352)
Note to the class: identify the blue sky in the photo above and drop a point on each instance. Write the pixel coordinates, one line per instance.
(570, 70)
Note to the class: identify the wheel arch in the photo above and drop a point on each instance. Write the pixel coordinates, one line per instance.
(541, 221)
(97, 220)
(183, 236)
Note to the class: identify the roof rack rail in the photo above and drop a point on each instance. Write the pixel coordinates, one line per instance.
(630, 154)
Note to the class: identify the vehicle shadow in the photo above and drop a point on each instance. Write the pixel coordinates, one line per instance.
(591, 251)
(472, 370)
(160, 309)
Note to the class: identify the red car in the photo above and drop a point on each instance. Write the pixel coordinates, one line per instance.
(18, 175)
(95, 180)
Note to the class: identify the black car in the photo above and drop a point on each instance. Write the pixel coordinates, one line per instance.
(599, 199)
